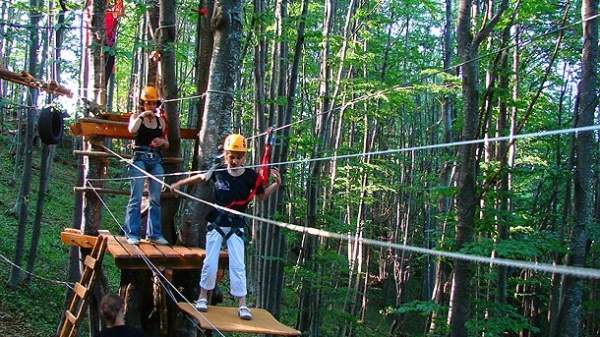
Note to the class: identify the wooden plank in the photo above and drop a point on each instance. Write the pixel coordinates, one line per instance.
(124, 117)
(70, 317)
(187, 252)
(168, 251)
(116, 249)
(151, 250)
(174, 258)
(90, 262)
(80, 290)
(114, 129)
(226, 320)
(130, 249)
(74, 239)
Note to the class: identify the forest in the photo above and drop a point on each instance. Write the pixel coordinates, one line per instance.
(439, 159)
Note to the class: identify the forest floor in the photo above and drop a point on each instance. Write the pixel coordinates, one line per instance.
(33, 308)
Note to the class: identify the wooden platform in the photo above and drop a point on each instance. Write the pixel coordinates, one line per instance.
(226, 320)
(115, 127)
(128, 256)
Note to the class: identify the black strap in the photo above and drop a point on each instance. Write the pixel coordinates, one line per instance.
(236, 224)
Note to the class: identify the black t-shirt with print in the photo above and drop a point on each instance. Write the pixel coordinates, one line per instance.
(229, 188)
(121, 331)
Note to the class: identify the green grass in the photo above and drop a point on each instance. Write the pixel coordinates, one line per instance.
(38, 304)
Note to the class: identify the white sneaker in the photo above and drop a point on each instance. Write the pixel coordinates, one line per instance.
(244, 313)
(133, 241)
(202, 304)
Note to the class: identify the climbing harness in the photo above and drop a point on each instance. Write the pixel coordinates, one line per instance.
(223, 219)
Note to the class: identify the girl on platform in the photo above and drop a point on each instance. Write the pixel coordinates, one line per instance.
(235, 186)
(149, 129)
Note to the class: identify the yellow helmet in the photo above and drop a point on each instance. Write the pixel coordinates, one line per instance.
(149, 93)
(235, 142)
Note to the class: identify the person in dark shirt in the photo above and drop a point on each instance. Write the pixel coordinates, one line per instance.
(235, 186)
(149, 130)
(112, 310)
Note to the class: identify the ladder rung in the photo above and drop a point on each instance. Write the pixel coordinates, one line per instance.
(80, 290)
(90, 262)
(70, 317)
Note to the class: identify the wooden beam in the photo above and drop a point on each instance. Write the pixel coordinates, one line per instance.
(113, 129)
(163, 195)
(25, 78)
(127, 256)
(128, 156)
(75, 238)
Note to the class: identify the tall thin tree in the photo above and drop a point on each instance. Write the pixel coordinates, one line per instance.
(570, 313)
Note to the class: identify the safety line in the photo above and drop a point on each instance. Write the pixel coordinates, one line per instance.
(532, 135)
(229, 93)
(542, 267)
(152, 266)
(7, 260)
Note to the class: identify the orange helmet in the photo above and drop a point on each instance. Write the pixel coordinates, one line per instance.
(235, 142)
(149, 94)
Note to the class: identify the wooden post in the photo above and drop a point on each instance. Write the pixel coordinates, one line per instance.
(94, 167)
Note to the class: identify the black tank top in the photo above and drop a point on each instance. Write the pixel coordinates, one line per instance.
(145, 135)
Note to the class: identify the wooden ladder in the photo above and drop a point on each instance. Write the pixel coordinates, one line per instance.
(91, 267)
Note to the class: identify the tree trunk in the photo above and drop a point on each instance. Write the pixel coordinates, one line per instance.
(97, 33)
(447, 168)
(309, 306)
(153, 30)
(47, 156)
(216, 122)
(468, 46)
(270, 241)
(25, 189)
(503, 129)
(73, 272)
(169, 92)
(570, 312)
(203, 60)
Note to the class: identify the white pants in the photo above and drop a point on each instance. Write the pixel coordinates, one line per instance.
(237, 267)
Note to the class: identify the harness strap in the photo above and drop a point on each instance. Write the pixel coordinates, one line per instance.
(223, 220)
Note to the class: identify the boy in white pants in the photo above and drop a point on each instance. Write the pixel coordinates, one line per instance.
(235, 186)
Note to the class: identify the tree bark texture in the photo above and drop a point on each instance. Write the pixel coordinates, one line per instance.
(216, 122)
(466, 200)
(203, 59)
(570, 313)
(153, 30)
(25, 189)
(309, 307)
(97, 43)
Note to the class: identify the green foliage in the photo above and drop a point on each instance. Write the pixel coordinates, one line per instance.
(502, 319)
(39, 303)
(422, 308)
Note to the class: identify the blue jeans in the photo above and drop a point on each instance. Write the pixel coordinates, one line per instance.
(151, 163)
